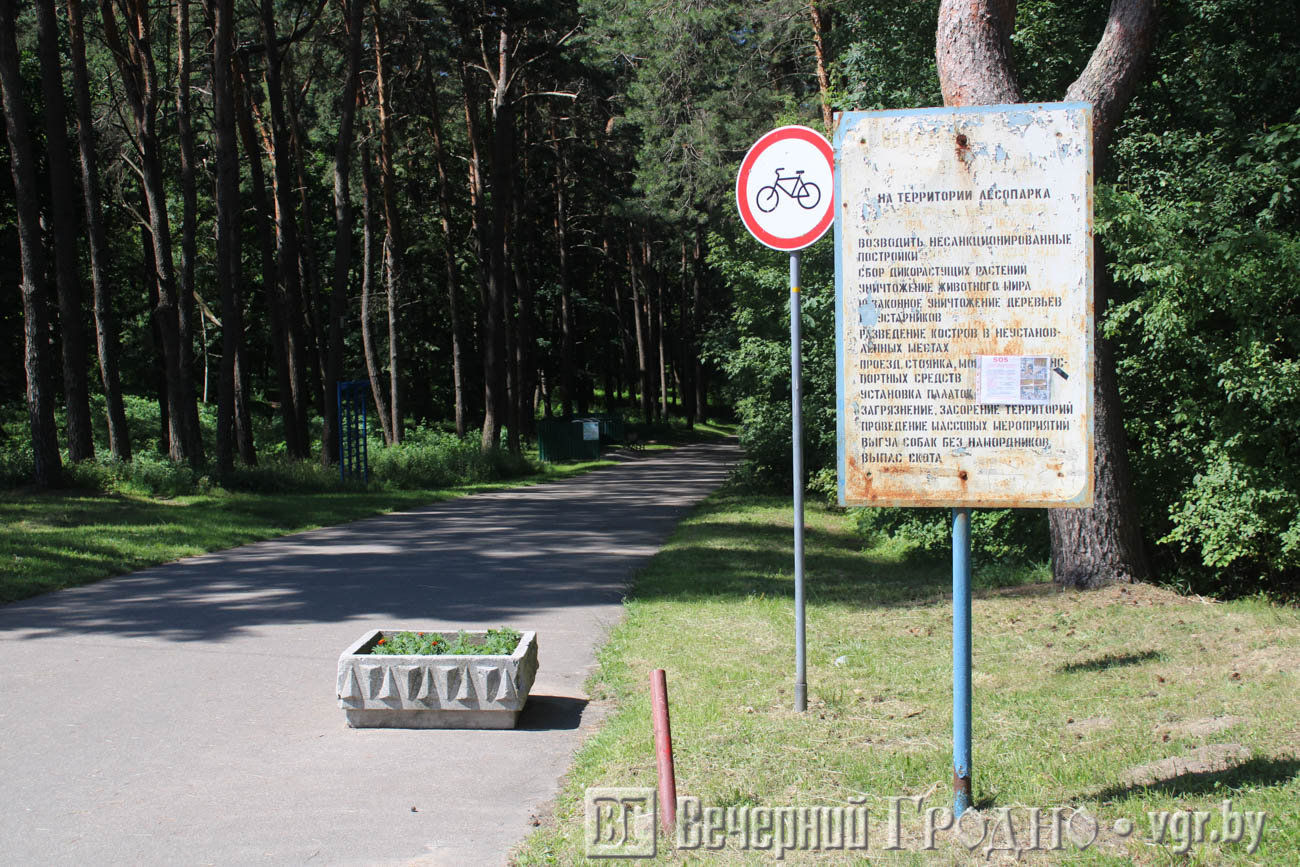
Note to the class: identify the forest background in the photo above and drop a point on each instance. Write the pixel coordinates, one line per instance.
(497, 212)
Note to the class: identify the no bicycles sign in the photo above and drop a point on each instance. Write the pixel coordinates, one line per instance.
(785, 188)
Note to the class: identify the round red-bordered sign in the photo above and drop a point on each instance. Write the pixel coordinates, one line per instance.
(785, 188)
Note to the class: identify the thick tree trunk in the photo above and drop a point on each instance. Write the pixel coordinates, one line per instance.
(495, 357)
(562, 265)
(524, 354)
(1103, 544)
(135, 61)
(491, 432)
(244, 94)
(189, 217)
(394, 243)
(81, 445)
(642, 338)
(354, 14)
(287, 236)
(106, 338)
(309, 275)
(449, 257)
(149, 285)
(688, 350)
(22, 165)
(367, 270)
(224, 146)
(661, 338)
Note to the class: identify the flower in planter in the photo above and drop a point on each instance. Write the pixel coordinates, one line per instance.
(497, 642)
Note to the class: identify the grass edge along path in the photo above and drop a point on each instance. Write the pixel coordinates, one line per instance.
(66, 538)
(1125, 702)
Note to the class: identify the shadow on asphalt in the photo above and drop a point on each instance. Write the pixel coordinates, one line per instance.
(552, 713)
(486, 559)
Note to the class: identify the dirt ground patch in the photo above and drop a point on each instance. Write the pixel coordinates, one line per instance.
(1202, 760)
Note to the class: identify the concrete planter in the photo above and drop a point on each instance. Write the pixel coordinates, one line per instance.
(435, 692)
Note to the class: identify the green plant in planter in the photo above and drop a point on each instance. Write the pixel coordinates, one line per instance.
(497, 642)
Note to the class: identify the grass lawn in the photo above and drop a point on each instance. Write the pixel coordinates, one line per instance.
(1123, 702)
(49, 541)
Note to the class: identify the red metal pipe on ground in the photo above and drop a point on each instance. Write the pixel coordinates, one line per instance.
(663, 750)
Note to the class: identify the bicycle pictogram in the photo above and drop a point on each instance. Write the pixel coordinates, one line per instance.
(806, 193)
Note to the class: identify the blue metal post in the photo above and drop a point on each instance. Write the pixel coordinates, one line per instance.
(961, 662)
(796, 435)
(365, 444)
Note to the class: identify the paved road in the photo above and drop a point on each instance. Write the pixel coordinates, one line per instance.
(186, 714)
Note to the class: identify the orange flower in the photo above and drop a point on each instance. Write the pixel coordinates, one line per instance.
(381, 641)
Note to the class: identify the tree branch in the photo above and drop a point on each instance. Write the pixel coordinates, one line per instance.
(1115, 68)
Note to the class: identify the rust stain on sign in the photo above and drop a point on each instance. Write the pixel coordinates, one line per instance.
(964, 257)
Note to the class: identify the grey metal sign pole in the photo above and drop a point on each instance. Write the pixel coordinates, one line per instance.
(796, 436)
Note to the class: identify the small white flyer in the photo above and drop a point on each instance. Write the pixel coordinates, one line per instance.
(1014, 379)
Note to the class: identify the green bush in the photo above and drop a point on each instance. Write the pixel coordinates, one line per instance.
(432, 458)
(997, 535)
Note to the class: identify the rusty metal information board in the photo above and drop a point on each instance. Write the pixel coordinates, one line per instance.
(964, 311)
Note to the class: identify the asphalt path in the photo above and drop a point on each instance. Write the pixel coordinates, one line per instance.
(186, 714)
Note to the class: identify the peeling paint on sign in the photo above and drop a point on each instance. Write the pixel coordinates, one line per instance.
(963, 233)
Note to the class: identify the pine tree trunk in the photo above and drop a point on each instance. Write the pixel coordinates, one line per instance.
(394, 243)
(22, 165)
(449, 256)
(562, 264)
(819, 51)
(244, 94)
(81, 444)
(286, 252)
(495, 357)
(189, 208)
(224, 146)
(106, 337)
(367, 270)
(134, 59)
(353, 16)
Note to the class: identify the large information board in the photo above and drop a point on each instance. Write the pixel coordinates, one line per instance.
(964, 311)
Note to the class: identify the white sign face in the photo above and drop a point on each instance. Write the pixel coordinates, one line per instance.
(591, 430)
(963, 275)
(785, 188)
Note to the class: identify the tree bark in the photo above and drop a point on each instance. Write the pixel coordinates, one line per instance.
(495, 358)
(226, 197)
(81, 444)
(491, 433)
(134, 59)
(394, 243)
(639, 326)
(1102, 544)
(189, 208)
(819, 51)
(562, 265)
(266, 245)
(367, 269)
(287, 236)
(22, 165)
(449, 256)
(354, 13)
(106, 337)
